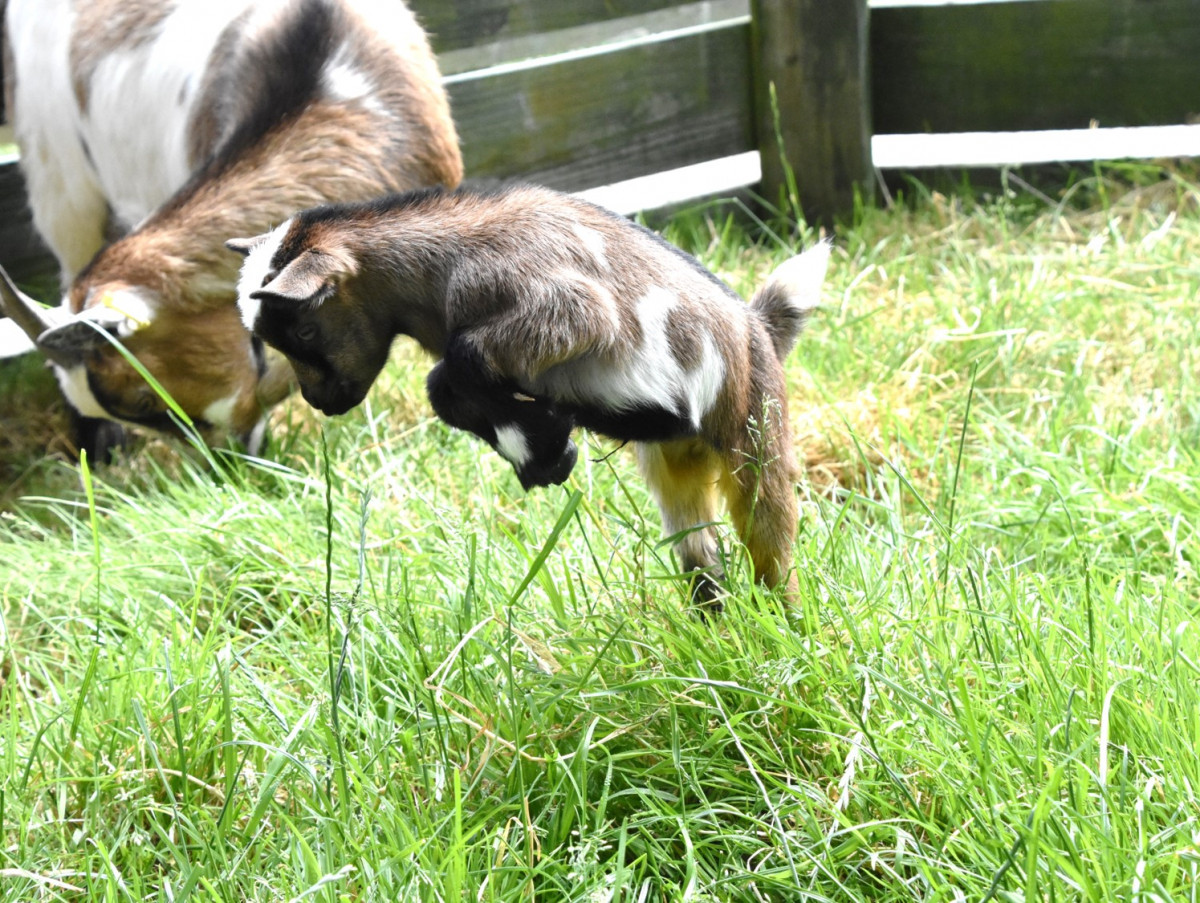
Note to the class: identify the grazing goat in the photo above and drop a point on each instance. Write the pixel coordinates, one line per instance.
(548, 313)
(165, 126)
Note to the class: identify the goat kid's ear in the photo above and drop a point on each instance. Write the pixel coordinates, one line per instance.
(244, 245)
(308, 277)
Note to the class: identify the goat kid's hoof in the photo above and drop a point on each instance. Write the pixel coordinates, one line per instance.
(552, 474)
(708, 593)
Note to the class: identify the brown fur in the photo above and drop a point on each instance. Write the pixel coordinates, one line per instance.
(202, 368)
(180, 251)
(197, 348)
(513, 276)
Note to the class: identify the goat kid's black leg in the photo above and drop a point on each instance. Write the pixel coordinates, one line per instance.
(530, 433)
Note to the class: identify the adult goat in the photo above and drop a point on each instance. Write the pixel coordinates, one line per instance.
(152, 130)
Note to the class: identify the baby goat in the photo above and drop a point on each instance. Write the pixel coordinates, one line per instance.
(549, 313)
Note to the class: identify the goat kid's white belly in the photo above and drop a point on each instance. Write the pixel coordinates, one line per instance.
(134, 147)
(650, 377)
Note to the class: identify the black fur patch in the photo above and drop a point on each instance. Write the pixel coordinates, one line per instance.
(284, 73)
(99, 439)
(466, 396)
(641, 424)
(287, 66)
(277, 323)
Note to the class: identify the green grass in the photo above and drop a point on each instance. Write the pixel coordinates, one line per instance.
(370, 668)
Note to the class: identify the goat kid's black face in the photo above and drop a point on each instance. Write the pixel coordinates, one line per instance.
(333, 349)
(299, 303)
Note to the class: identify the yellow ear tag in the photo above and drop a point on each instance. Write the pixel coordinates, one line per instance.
(106, 300)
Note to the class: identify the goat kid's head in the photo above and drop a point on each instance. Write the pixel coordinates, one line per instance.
(204, 359)
(296, 294)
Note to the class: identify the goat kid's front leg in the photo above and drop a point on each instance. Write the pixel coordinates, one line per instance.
(683, 477)
(530, 433)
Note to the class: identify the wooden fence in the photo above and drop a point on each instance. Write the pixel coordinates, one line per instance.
(580, 93)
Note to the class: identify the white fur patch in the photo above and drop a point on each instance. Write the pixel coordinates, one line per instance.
(254, 442)
(512, 445)
(153, 82)
(220, 413)
(652, 376)
(345, 83)
(68, 207)
(801, 276)
(594, 242)
(123, 310)
(249, 308)
(74, 385)
(254, 270)
(705, 381)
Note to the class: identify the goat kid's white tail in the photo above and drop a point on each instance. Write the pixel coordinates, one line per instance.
(790, 295)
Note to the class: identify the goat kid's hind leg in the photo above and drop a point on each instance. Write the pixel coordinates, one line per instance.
(758, 481)
(683, 477)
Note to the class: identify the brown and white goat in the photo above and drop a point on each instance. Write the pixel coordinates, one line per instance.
(169, 125)
(547, 313)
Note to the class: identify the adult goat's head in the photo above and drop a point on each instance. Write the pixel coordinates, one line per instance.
(204, 360)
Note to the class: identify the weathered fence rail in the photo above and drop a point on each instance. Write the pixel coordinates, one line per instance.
(1035, 65)
(580, 93)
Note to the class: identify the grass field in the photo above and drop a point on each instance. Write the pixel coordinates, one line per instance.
(370, 668)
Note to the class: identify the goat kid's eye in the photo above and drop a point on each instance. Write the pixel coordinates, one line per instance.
(306, 332)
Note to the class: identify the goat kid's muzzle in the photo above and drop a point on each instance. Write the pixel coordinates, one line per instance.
(333, 401)
(552, 472)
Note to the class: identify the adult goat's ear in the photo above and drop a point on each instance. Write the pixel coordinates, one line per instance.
(310, 276)
(118, 312)
(27, 319)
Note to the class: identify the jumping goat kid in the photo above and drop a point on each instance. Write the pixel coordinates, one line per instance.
(164, 127)
(548, 313)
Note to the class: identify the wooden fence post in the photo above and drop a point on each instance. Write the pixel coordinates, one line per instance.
(813, 54)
